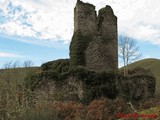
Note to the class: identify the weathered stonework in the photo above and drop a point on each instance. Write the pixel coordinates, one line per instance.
(93, 50)
(133, 88)
(85, 18)
(101, 52)
(70, 89)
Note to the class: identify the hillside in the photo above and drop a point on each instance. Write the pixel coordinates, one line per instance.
(15, 75)
(14, 97)
(150, 64)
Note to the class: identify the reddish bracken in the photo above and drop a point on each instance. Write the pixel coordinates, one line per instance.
(102, 109)
(70, 110)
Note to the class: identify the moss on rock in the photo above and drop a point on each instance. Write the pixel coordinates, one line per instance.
(61, 65)
(78, 47)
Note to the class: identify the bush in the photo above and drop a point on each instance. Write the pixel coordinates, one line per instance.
(70, 111)
(31, 81)
(60, 66)
(50, 75)
(139, 71)
(79, 71)
(55, 70)
(145, 104)
(102, 109)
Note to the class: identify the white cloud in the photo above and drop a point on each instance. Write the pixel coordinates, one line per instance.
(53, 19)
(4, 54)
(49, 20)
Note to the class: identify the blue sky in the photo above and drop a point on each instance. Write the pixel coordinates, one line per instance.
(17, 50)
(41, 30)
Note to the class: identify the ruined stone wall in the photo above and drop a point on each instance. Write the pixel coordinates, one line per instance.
(72, 88)
(101, 52)
(107, 26)
(136, 88)
(84, 18)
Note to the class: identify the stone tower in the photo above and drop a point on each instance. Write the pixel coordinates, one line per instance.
(97, 36)
(84, 18)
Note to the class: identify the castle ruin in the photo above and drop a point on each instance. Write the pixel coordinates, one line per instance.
(93, 50)
(101, 52)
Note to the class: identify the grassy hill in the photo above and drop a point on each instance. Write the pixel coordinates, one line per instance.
(15, 76)
(13, 99)
(16, 73)
(150, 64)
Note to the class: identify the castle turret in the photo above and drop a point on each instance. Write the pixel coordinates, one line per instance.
(84, 18)
(107, 22)
(107, 28)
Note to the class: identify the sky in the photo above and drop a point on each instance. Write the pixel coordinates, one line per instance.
(41, 30)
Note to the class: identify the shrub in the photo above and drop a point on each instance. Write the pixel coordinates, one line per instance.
(31, 80)
(50, 74)
(70, 111)
(102, 109)
(60, 66)
(139, 71)
(145, 104)
(79, 71)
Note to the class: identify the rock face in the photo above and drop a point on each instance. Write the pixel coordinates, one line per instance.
(100, 36)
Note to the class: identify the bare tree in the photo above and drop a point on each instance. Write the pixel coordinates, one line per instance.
(28, 63)
(128, 51)
(8, 65)
(16, 64)
(11, 64)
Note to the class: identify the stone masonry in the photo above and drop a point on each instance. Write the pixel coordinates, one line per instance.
(93, 50)
(101, 53)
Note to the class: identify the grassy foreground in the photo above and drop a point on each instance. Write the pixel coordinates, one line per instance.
(13, 101)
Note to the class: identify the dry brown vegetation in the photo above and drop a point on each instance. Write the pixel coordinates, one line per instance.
(17, 103)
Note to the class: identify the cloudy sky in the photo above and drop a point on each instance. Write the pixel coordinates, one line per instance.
(41, 30)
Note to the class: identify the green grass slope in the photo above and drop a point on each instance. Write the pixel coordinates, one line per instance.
(150, 64)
